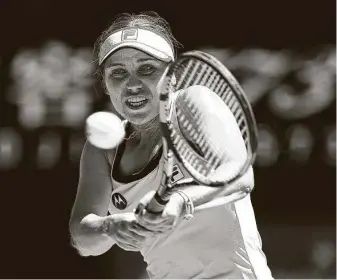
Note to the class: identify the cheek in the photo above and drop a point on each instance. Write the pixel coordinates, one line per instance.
(117, 106)
(114, 92)
(114, 99)
(153, 82)
(116, 103)
(155, 99)
(113, 87)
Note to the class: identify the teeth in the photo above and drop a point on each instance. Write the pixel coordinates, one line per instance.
(136, 102)
(136, 99)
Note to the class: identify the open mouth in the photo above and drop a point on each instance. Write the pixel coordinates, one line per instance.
(136, 103)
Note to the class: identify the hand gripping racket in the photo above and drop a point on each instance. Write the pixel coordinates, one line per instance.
(199, 68)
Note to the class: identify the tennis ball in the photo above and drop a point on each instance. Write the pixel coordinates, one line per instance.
(104, 130)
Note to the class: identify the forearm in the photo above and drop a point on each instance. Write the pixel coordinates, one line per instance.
(88, 235)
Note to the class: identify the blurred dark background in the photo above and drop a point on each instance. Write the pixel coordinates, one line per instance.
(283, 53)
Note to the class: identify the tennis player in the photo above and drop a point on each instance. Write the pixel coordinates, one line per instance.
(221, 242)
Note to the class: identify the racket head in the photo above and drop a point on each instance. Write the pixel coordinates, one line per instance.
(199, 68)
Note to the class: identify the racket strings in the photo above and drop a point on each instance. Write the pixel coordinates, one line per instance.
(189, 119)
(191, 72)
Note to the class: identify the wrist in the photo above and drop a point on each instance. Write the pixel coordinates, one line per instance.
(186, 204)
(180, 202)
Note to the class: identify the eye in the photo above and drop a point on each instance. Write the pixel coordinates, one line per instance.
(119, 73)
(147, 69)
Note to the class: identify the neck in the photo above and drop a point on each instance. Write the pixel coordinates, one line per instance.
(146, 127)
(148, 132)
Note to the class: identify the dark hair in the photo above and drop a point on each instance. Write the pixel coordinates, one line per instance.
(145, 20)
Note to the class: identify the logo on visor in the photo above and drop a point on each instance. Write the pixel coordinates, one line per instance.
(130, 34)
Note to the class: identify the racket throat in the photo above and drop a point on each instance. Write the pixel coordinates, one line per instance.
(163, 198)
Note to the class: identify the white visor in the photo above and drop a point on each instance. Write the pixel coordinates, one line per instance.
(141, 39)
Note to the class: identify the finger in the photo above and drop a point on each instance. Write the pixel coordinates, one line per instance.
(144, 202)
(147, 217)
(128, 247)
(152, 232)
(158, 228)
(138, 240)
(131, 245)
(140, 230)
(130, 238)
(155, 225)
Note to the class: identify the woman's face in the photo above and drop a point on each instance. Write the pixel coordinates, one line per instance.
(131, 79)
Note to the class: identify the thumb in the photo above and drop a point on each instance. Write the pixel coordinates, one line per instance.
(175, 206)
(144, 202)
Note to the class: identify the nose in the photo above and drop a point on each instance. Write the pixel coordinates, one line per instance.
(134, 85)
(135, 88)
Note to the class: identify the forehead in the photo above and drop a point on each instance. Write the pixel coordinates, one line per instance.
(125, 55)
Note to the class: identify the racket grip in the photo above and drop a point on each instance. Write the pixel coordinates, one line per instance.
(155, 206)
(165, 190)
(158, 203)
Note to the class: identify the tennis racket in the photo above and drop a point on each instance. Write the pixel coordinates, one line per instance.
(199, 68)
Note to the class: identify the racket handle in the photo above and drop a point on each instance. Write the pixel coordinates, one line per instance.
(155, 207)
(158, 203)
(165, 190)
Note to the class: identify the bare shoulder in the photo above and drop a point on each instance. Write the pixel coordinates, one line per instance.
(94, 184)
(94, 158)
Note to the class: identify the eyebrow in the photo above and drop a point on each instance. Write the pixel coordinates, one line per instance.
(111, 64)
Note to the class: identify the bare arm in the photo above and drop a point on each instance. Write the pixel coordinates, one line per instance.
(87, 222)
(92, 231)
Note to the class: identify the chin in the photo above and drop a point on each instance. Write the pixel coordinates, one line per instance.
(141, 119)
(142, 116)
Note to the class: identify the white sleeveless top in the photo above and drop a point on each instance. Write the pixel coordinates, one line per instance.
(218, 243)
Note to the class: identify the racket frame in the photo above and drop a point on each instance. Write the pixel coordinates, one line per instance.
(166, 189)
